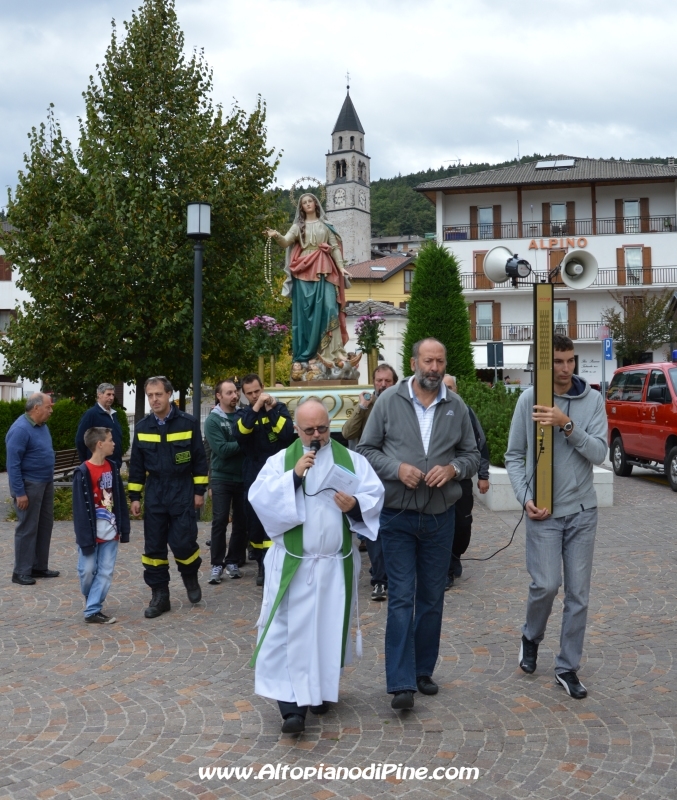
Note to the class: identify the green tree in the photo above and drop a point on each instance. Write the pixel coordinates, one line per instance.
(101, 244)
(437, 309)
(639, 323)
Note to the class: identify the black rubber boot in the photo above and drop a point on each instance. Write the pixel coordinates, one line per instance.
(159, 602)
(192, 588)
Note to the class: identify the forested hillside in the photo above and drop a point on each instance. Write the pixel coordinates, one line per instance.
(397, 210)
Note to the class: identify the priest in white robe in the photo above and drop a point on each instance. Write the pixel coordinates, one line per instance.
(312, 567)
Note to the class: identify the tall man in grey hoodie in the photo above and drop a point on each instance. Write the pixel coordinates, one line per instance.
(567, 536)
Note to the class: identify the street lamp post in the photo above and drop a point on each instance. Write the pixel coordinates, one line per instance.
(198, 229)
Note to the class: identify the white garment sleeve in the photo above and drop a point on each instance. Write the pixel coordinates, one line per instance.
(272, 495)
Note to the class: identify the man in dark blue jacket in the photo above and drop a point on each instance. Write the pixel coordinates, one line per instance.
(101, 415)
(101, 520)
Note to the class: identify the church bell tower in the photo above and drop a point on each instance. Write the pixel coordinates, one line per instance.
(348, 198)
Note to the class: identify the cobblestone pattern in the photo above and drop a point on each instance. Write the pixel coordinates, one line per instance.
(134, 709)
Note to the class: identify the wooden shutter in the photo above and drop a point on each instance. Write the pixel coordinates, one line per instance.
(481, 280)
(646, 266)
(619, 218)
(496, 320)
(497, 222)
(472, 313)
(571, 218)
(644, 214)
(473, 222)
(620, 266)
(573, 320)
(554, 260)
(5, 270)
(545, 216)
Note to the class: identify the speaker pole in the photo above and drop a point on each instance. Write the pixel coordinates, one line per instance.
(543, 392)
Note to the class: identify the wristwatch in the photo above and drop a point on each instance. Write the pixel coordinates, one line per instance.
(568, 427)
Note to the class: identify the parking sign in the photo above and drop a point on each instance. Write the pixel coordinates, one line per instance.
(608, 349)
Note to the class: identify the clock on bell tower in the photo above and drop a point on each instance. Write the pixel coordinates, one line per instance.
(348, 203)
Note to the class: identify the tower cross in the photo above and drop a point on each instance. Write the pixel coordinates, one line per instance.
(348, 81)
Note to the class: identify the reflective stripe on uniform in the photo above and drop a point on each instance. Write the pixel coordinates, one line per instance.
(200, 479)
(188, 560)
(135, 487)
(176, 437)
(277, 427)
(260, 546)
(149, 437)
(154, 562)
(242, 428)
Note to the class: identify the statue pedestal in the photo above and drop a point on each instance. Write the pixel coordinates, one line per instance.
(324, 383)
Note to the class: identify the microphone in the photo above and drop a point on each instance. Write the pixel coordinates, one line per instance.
(314, 446)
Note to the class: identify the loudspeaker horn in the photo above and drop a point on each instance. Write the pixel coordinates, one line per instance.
(578, 269)
(494, 264)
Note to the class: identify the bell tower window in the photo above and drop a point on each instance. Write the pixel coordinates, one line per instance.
(340, 142)
(352, 142)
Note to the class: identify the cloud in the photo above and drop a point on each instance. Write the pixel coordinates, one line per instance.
(431, 80)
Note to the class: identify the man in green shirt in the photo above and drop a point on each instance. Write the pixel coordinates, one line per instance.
(226, 484)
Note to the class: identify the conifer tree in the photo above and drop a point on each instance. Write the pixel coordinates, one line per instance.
(437, 309)
(100, 242)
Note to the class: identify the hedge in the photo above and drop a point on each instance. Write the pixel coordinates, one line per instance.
(494, 407)
(63, 424)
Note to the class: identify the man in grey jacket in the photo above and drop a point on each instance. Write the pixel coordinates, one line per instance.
(567, 536)
(420, 442)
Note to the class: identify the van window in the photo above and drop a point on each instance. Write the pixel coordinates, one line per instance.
(627, 386)
(673, 378)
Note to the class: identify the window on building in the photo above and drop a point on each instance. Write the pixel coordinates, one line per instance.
(633, 265)
(361, 144)
(631, 216)
(558, 219)
(408, 280)
(352, 142)
(486, 222)
(5, 318)
(561, 316)
(340, 142)
(485, 322)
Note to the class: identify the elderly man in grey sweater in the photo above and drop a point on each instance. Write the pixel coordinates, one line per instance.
(567, 536)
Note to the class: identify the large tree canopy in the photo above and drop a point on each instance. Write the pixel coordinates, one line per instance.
(100, 243)
(437, 309)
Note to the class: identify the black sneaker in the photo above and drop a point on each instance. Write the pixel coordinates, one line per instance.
(100, 619)
(402, 700)
(528, 655)
(379, 592)
(426, 685)
(570, 682)
(450, 583)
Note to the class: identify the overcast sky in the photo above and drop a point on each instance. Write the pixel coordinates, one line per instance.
(432, 80)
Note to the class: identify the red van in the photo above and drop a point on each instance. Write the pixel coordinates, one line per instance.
(641, 410)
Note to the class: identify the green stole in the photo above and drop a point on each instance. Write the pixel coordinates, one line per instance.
(293, 542)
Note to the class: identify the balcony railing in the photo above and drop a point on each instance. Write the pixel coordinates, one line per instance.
(520, 332)
(639, 276)
(561, 228)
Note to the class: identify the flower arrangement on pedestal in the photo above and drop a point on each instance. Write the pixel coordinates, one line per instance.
(267, 337)
(369, 330)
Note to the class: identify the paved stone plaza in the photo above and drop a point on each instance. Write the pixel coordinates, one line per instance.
(135, 709)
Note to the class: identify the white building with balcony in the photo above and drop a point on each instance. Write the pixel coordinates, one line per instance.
(622, 213)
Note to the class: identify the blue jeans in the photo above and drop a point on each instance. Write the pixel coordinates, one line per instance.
(96, 573)
(416, 550)
(378, 567)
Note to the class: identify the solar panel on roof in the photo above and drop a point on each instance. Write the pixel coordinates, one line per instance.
(378, 269)
(560, 163)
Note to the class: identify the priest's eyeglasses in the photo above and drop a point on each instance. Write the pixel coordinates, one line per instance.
(318, 428)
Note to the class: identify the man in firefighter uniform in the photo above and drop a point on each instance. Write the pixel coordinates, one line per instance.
(264, 427)
(168, 457)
